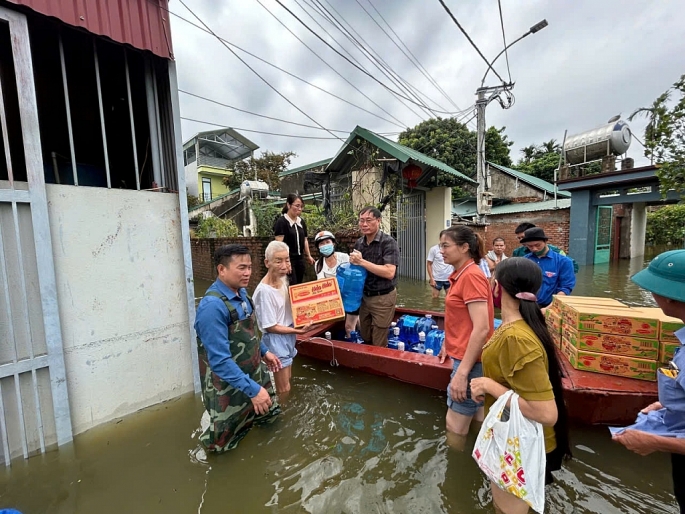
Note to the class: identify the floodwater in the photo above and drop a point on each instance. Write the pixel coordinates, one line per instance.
(346, 442)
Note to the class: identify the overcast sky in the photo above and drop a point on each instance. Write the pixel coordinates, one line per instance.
(596, 59)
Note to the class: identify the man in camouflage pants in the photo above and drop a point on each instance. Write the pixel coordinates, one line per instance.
(236, 387)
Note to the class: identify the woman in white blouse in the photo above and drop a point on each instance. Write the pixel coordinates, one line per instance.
(327, 264)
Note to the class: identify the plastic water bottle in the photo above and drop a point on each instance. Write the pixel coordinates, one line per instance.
(497, 323)
(355, 337)
(420, 347)
(351, 280)
(429, 351)
(391, 332)
(424, 324)
(327, 335)
(408, 332)
(394, 341)
(435, 340)
(400, 346)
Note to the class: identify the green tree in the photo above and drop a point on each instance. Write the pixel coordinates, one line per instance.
(541, 165)
(265, 167)
(453, 143)
(665, 136)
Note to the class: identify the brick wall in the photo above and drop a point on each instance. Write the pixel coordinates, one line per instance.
(203, 251)
(555, 223)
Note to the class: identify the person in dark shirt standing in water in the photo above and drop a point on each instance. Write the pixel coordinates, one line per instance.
(378, 253)
(292, 230)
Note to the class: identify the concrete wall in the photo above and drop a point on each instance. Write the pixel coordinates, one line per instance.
(191, 178)
(506, 186)
(438, 214)
(122, 299)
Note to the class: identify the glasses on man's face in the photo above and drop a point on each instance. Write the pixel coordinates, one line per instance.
(366, 221)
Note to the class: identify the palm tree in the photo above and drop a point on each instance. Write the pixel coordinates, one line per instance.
(550, 146)
(529, 153)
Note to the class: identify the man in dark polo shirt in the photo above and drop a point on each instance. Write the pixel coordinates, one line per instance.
(378, 253)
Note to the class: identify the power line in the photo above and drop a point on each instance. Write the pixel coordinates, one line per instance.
(348, 53)
(401, 50)
(469, 38)
(256, 73)
(257, 114)
(372, 55)
(198, 27)
(327, 63)
(258, 131)
(415, 60)
(396, 93)
(504, 37)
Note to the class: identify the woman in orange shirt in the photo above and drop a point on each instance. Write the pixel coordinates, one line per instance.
(469, 315)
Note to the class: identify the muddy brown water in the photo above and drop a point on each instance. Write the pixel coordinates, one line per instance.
(347, 442)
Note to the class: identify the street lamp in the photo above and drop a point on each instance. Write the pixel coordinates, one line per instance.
(483, 197)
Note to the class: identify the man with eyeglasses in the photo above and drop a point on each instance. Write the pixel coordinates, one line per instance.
(378, 253)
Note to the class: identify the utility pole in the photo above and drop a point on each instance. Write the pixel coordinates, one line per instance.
(484, 196)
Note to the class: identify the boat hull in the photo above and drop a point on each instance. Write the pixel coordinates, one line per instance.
(591, 398)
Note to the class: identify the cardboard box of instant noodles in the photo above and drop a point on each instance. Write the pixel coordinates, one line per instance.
(316, 302)
(609, 364)
(610, 320)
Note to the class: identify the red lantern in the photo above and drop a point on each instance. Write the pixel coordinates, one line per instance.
(411, 173)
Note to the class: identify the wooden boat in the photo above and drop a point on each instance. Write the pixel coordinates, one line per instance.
(591, 398)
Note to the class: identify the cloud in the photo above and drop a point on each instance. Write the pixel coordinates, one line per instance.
(595, 60)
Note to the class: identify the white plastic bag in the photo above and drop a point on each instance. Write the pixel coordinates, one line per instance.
(512, 453)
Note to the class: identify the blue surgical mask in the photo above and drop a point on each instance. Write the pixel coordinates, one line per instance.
(326, 250)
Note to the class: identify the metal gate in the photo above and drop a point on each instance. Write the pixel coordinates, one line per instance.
(34, 406)
(411, 235)
(603, 239)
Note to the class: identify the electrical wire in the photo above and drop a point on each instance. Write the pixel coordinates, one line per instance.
(223, 125)
(257, 114)
(256, 73)
(504, 38)
(198, 27)
(393, 91)
(469, 39)
(374, 57)
(414, 88)
(418, 63)
(388, 72)
(328, 64)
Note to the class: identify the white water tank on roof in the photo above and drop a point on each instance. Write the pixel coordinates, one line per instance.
(612, 138)
(254, 189)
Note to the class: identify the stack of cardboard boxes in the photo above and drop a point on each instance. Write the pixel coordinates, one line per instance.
(603, 335)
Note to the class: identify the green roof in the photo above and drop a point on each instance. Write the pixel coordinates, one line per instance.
(468, 208)
(323, 162)
(531, 180)
(400, 152)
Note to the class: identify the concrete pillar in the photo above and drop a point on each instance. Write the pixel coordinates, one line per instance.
(638, 228)
(582, 228)
(438, 214)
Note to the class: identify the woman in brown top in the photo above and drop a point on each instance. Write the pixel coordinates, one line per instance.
(521, 356)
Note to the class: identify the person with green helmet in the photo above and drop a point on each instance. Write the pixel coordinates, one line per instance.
(665, 279)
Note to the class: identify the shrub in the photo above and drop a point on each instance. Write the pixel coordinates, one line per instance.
(216, 227)
(666, 226)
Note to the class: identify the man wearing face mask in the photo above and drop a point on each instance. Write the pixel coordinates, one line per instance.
(557, 269)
